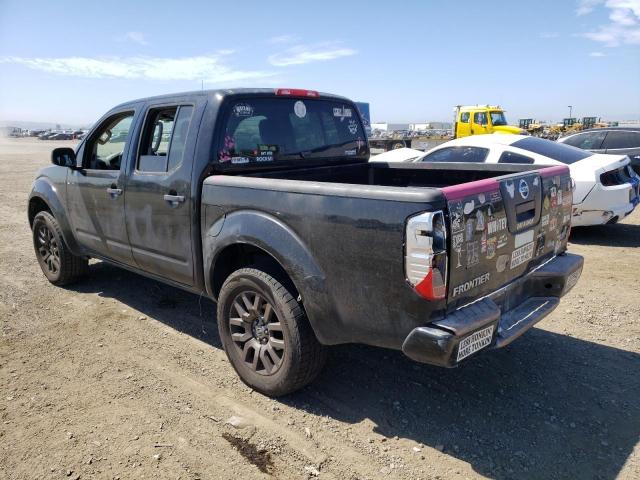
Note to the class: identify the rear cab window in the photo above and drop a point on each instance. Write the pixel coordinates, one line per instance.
(264, 130)
(556, 151)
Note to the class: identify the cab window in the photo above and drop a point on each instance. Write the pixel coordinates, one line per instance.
(284, 129)
(464, 117)
(106, 148)
(163, 139)
(480, 118)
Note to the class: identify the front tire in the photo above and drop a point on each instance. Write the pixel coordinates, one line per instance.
(266, 334)
(59, 265)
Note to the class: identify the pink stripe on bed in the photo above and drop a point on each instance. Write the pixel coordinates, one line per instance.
(462, 190)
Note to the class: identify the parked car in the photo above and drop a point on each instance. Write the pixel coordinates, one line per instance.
(264, 201)
(606, 187)
(614, 140)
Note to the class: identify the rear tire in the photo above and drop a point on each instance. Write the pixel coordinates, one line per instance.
(266, 334)
(59, 265)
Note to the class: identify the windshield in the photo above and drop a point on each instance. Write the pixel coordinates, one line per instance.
(556, 151)
(498, 118)
(277, 129)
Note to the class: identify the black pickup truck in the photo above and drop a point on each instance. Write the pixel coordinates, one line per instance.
(264, 200)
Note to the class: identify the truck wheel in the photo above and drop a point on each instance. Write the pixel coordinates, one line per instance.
(266, 334)
(58, 264)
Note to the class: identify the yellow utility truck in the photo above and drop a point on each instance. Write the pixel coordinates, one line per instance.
(481, 119)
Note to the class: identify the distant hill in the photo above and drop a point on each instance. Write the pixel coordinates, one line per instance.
(40, 125)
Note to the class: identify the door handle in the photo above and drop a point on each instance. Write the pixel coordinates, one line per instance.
(114, 191)
(174, 199)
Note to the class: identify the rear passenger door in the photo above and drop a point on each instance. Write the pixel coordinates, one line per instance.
(159, 207)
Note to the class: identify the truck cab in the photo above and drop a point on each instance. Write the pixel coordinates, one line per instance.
(480, 120)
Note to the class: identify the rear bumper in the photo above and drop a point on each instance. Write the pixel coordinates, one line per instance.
(511, 311)
(585, 218)
(606, 204)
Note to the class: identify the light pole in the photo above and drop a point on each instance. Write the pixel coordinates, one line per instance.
(570, 109)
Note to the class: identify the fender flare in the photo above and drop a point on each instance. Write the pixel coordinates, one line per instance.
(270, 234)
(49, 194)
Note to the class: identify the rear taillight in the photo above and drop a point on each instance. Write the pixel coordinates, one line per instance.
(619, 176)
(426, 255)
(297, 92)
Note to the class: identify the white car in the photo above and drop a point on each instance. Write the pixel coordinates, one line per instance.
(606, 187)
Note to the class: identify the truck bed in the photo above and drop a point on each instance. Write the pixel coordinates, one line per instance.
(352, 220)
(397, 174)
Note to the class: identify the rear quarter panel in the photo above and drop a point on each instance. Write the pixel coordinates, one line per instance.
(343, 247)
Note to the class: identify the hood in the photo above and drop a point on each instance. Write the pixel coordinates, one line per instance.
(510, 129)
(397, 155)
(587, 171)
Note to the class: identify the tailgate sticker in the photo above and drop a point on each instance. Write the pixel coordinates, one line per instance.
(522, 238)
(521, 255)
(481, 242)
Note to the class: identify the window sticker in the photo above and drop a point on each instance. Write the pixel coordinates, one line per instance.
(300, 109)
(266, 152)
(351, 152)
(224, 155)
(237, 160)
(353, 127)
(242, 110)
(342, 113)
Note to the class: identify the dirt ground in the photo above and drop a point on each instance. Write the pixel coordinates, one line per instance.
(123, 377)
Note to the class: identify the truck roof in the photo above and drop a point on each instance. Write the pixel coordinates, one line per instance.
(464, 108)
(220, 94)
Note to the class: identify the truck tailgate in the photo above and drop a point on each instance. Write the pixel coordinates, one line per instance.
(504, 227)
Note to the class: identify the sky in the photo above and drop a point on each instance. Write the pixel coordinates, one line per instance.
(413, 61)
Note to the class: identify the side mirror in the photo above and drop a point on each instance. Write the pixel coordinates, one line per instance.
(63, 157)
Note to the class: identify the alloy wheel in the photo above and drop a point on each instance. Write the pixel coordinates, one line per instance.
(48, 249)
(257, 332)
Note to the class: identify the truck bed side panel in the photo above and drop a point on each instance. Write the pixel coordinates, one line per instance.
(357, 242)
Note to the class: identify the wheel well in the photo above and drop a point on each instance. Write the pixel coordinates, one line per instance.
(37, 205)
(238, 256)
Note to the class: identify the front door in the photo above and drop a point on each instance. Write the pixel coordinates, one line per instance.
(159, 206)
(480, 123)
(96, 191)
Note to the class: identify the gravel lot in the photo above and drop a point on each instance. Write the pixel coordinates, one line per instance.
(123, 377)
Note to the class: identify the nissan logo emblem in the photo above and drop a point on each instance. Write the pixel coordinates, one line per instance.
(523, 188)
